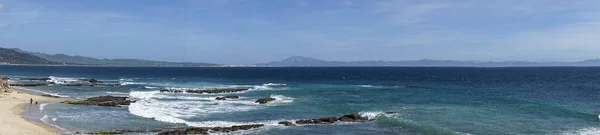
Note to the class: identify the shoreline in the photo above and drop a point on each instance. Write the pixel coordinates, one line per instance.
(12, 109)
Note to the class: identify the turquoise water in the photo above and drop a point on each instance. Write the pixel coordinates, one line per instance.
(429, 101)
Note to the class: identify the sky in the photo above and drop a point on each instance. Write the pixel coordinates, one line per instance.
(256, 31)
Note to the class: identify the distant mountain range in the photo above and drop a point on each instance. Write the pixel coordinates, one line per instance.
(299, 61)
(18, 56)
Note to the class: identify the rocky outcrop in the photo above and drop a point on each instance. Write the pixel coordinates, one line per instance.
(209, 130)
(35, 79)
(286, 123)
(353, 118)
(111, 101)
(330, 120)
(91, 84)
(205, 130)
(29, 84)
(208, 91)
(4, 86)
(327, 120)
(264, 100)
(227, 97)
(90, 80)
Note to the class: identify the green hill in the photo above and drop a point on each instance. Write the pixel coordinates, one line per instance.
(10, 56)
(83, 60)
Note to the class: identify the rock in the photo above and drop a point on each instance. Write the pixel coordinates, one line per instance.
(91, 80)
(391, 112)
(353, 118)
(286, 123)
(264, 100)
(204, 130)
(5, 86)
(29, 84)
(227, 97)
(48, 95)
(208, 91)
(90, 85)
(232, 97)
(111, 101)
(35, 79)
(327, 120)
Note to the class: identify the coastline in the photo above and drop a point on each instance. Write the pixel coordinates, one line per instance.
(12, 120)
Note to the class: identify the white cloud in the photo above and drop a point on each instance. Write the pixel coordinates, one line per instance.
(4, 25)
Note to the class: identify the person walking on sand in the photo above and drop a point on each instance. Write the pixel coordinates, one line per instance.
(31, 101)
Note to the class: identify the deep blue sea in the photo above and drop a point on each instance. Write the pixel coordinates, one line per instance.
(429, 100)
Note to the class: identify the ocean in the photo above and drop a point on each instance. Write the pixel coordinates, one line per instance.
(428, 100)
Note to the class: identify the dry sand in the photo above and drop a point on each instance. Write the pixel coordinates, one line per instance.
(11, 120)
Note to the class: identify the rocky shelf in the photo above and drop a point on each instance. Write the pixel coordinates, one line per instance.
(111, 101)
(208, 130)
(208, 91)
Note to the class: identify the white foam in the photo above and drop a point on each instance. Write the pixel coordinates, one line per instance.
(125, 79)
(150, 87)
(131, 83)
(374, 114)
(43, 105)
(275, 84)
(117, 93)
(584, 131)
(371, 115)
(45, 118)
(376, 86)
(152, 104)
(282, 99)
(63, 80)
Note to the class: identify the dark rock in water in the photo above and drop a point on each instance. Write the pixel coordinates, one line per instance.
(29, 84)
(286, 123)
(91, 85)
(391, 112)
(264, 100)
(353, 118)
(111, 101)
(203, 130)
(35, 79)
(91, 80)
(227, 97)
(209, 91)
(327, 120)
(232, 97)
(48, 95)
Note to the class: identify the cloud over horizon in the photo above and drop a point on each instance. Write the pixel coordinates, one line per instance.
(252, 31)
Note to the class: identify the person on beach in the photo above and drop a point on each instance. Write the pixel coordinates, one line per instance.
(31, 101)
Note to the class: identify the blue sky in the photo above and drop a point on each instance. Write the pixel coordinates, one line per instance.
(253, 31)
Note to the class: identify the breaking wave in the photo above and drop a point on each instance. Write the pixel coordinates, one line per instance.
(117, 93)
(584, 131)
(63, 80)
(162, 107)
(282, 99)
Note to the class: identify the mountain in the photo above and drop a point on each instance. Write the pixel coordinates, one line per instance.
(10, 56)
(299, 61)
(83, 60)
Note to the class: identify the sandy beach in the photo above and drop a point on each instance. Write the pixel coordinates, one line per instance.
(11, 120)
